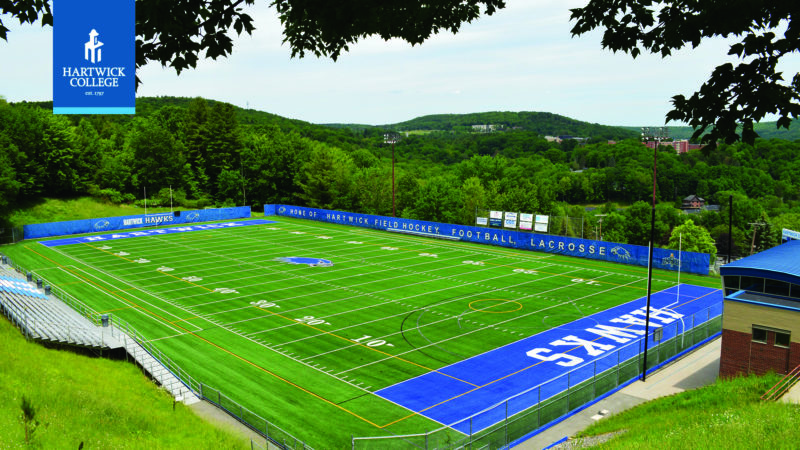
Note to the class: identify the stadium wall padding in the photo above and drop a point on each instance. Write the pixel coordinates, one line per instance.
(41, 230)
(583, 248)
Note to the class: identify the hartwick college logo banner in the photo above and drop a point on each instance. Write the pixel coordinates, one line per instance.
(94, 63)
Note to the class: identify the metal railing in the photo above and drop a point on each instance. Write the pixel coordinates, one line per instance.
(782, 386)
(533, 410)
(271, 432)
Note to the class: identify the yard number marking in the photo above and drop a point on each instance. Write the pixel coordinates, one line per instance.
(372, 342)
(311, 320)
(264, 304)
(474, 263)
(226, 291)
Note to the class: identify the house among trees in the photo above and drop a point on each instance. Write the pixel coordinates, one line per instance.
(693, 202)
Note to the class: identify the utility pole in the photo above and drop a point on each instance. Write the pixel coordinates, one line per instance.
(658, 134)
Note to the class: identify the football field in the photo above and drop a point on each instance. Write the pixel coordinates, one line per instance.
(305, 322)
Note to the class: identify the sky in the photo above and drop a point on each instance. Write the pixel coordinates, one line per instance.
(522, 58)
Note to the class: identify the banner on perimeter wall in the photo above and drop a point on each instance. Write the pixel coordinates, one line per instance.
(41, 230)
(583, 248)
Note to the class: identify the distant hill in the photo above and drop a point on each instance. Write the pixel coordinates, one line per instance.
(540, 122)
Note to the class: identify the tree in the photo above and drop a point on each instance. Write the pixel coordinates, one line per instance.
(438, 200)
(734, 95)
(692, 238)
(176, 33)
(326, 178)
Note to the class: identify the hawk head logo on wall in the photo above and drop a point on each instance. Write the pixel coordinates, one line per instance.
(91, 50)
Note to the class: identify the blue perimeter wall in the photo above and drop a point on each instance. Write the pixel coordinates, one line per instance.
(41, 230)
(583, 248)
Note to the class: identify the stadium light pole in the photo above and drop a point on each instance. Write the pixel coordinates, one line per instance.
(658, 134)
(391, 138)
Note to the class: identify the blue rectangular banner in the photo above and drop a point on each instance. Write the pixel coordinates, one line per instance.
(94, 57)
(582, 248)
(40, 230)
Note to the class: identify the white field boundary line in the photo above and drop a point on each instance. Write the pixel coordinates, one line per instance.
(490, 326)
(292, 277)
(459, 299)
(139, 299)
(288, 269)
(107, 294)
(260, 274)
(417, 273)
(295, 287)
(385, 300)
(141, 289)
(215, 261)
(228, 243)
(404, 238)
(360, 388)
(447, 316)
(514, 253)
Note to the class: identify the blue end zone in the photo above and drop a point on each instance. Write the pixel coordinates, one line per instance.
(157, 231)
(456, 392)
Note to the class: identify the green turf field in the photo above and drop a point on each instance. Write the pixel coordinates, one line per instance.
(305, 347)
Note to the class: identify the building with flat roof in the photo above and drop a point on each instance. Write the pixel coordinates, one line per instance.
(761, 318)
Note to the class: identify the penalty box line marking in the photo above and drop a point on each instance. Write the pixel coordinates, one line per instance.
(245, 360)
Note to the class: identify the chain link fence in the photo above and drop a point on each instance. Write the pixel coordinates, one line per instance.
(535, 409)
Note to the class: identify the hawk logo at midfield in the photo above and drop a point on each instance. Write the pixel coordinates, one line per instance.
(311, 262)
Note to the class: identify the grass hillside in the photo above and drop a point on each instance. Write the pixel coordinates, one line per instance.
(59, 210)
(94, 401)
(727, 414)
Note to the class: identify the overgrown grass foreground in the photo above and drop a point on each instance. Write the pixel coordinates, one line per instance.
(71, 399)
(727, 414)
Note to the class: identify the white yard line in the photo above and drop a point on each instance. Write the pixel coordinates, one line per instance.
(489, 326)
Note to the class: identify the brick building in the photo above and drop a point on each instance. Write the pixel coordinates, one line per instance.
(761, 320)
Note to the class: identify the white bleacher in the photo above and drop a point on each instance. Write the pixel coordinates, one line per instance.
(46, 318)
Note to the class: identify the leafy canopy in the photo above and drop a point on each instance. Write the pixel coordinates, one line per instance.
(176, 33)
(735, 94)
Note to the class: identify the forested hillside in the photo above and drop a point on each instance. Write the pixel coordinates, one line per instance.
(212, 153)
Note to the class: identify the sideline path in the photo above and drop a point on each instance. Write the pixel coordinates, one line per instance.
(697, 369)
(220, 418)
